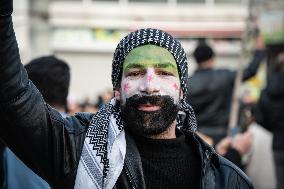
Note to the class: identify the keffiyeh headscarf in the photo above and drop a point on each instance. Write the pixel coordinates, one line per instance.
(104, 148)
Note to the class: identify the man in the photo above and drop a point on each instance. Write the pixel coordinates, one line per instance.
(52, 78)
(132, 142)
(233, 148)
(211, 89)
(270, 114)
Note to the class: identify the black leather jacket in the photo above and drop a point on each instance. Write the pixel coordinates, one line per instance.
(51, 145)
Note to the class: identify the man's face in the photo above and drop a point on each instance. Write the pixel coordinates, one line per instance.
(149, 89)
(149, 70)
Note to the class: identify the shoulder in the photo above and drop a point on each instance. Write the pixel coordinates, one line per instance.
(225, 72)
(227, 174)
(214, 73)
(233, 174)
(78, 123)
(84, 117)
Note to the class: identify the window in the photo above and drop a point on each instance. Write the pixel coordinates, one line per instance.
(228, 1)
(107, 0)
(66, 0)
(191, 1)
(145, 1)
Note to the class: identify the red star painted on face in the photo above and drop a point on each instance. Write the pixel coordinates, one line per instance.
(126, 87)
(150, 78)
(176, 87)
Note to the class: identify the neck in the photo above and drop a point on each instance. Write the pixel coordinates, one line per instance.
(58, 107)
(167, 134)
(206, 65)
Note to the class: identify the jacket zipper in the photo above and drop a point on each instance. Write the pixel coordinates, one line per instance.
(128, 175)
(205, 164)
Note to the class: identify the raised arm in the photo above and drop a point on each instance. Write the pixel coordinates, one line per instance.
(34, 131)
(258, 57)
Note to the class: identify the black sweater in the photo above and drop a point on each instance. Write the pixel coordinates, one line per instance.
(169, 163)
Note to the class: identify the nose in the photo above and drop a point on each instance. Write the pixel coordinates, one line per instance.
(149, 84)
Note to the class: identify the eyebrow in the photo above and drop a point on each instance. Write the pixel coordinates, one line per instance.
(157, 65)
(133, 65)
(164, 65)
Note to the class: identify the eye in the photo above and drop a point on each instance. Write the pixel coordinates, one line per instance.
(134, 73)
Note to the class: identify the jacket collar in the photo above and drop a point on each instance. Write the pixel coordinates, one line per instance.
(208, 157)
(134, 170)
(206, 151)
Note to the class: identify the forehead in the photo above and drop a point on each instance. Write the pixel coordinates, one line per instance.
(149, 56)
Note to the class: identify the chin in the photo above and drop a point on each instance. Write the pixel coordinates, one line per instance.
(149, 123)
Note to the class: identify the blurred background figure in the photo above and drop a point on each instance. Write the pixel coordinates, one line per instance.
(104, 98)
(88, 106)
(210, 89)
(251, 149)
(73, 104)
(52, 77)
(270, 114)
(233, 148)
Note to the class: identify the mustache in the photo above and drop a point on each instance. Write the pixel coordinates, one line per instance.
(157, 100)
(149, 123)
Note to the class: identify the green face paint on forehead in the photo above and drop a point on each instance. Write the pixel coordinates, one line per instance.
(150, 56)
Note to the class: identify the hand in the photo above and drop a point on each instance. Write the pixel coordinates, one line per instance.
(242, 142)
(259, 43)
(6, 7)
(223, 146)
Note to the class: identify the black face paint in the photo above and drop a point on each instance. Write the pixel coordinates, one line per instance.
(149, 123)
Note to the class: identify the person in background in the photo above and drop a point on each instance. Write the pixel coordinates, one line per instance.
(52, 77)
(258, 161)
(270, 114)
(87, 106)
(234, 147)
(211, 89)
(104, 98)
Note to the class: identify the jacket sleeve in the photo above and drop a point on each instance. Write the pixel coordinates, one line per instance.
(234, 156)
(261, 113)
(33, 130)
(251, 70)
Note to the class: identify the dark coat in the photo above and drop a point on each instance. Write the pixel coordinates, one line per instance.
(270, 109)
(51, 145)
(211, 91)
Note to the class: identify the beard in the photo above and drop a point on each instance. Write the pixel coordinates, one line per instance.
(149, 123)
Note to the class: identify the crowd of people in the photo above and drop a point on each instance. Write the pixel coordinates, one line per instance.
(157, 128)
(89, 105)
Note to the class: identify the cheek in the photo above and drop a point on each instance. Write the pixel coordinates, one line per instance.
(171, 88)
(129, 88)
(126, 87)
(176, 87)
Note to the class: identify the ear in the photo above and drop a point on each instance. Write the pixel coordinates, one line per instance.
(181, 94)
(117, 93)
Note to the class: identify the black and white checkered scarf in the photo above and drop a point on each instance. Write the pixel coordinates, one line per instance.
(104, 148)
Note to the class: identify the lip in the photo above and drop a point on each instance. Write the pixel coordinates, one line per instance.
(148, 107)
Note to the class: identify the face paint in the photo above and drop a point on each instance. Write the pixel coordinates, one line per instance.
(125, 87)
(150, 70)
(176, 87)
(150, 78)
